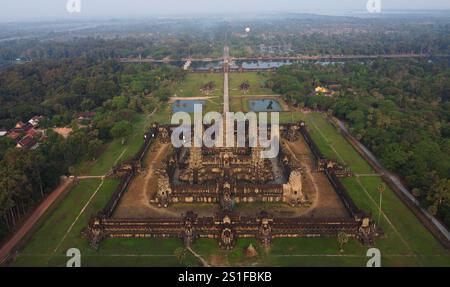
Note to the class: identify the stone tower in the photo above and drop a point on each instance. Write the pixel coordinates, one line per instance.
(292, 191)
(195, 158)
(257, 160)
(164, 188)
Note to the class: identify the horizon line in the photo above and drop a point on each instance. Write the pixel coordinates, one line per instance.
(141, 16)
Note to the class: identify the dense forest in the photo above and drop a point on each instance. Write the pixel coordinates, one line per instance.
(399, 109)
(109, 39)
(99, 48)
(58, 90)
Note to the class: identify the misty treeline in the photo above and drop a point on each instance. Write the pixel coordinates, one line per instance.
(100, 48)
(319, 35)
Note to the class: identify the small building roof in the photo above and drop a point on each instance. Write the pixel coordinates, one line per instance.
(34, 121)
(38, 118)
(13, 135)
(32, 132)
(27, 142)
(20, 125)
(320, 89)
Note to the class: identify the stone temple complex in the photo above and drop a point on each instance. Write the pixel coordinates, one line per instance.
(227, 176)
(231, 193)
(227, 193)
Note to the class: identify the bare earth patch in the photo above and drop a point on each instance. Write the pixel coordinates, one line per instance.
(135, 202)
(327, 203)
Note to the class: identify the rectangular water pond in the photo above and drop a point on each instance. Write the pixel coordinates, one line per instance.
(186, 105)
(264, 105)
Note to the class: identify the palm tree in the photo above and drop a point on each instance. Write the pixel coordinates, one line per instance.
(208, 87)
(342, 240)
(180, 253)
(244, 86)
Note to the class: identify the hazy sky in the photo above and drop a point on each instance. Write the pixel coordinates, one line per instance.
(17, 10)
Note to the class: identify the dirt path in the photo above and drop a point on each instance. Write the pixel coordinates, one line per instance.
(196, 255)
(311, 178)
(120, 156)
(91, 177)
(151, 170)
(33, 219)
(136, 201)
(324, 199)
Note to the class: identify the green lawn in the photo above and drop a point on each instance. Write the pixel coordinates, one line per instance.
(163, 114)
(191, 86)
(62, 229)
(42, 244)
(291, 117)
(333, 145)
(115, 151)
(255, 79)
(404, 232)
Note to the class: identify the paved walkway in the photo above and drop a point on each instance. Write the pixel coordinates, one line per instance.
(196, 255)
(226, 98)
(229, 134)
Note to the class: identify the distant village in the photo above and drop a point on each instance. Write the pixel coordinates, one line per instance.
(28, 135)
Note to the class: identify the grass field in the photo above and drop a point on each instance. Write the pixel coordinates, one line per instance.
(163, 114)
(333, 145)
(115, 151)
(405, 235)
(62, 229)
(191, 86)
(255, 79)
